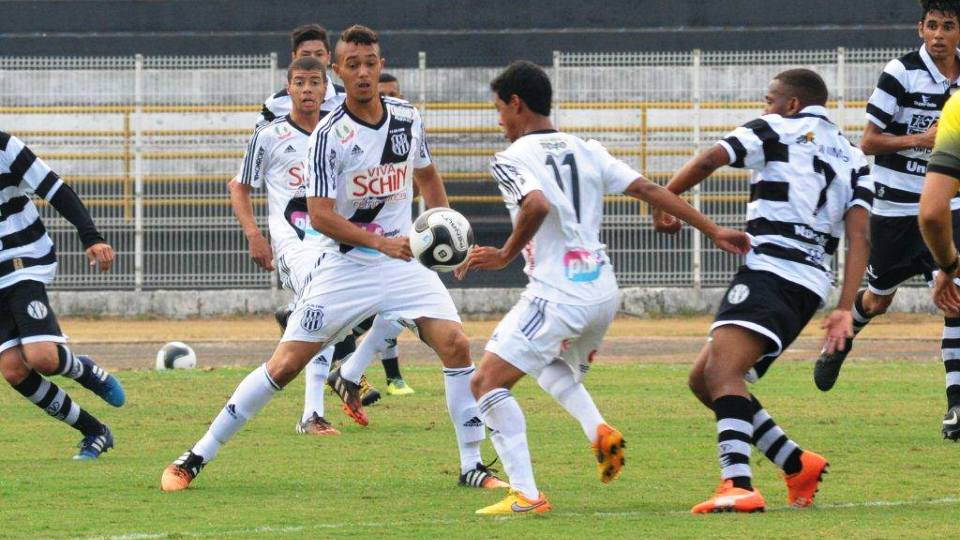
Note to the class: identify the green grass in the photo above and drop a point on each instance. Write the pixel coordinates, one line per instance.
(397, 478)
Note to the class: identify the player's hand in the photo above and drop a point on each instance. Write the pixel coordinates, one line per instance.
(260, 252)
(945, 293)
(928, 137)
(665, 223)
(100, 255)
(397, 247)
(732, 241)
(482, 258)
(839, 327)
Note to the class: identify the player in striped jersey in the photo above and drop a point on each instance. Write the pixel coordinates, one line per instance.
(937, 223)
(554, 185)
(902, 116)
(31, 343)
(809, 186)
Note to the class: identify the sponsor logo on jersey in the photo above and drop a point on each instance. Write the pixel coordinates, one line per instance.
(289, 149)
(356, 151)
(924, 103)
(258, 163)
(383, 182)
(400, 144)
(403, 114)
(296, 175)
(312, 319)
(581, 265)
(807, 137)
(37, 310)
(738, 293)
(344, 131)
(806, 232)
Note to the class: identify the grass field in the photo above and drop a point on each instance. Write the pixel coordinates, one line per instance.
(891, 474)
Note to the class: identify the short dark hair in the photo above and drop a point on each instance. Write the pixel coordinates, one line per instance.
(527, 81)
(805, 85)
(386, 78)
(307, 63)
(308, 32)
(947, 7)
(360, 35)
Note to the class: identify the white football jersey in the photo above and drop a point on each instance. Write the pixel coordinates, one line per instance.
(565, 260)
(275, 157)
(368, 169)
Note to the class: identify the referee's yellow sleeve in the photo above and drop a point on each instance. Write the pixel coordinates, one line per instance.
(946, 149)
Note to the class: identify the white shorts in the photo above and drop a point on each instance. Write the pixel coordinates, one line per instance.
(342, 293)
(294, 268)
(536, 332)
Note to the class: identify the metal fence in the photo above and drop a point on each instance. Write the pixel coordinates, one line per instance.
(150, 142)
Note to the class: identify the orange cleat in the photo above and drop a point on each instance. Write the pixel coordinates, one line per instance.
(802, 486)
(178, 475)
(608, 448)
(731, 499)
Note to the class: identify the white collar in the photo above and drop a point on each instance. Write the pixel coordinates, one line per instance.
(932, 67)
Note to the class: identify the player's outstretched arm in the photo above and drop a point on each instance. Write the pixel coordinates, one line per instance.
(936, 225)
(431, 187)
(839, 324)
(242, 204)
(534, 208)
(692, 173)
(324, 218)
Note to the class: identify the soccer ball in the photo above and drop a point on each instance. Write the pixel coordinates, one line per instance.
(441, 238)
(176, 355)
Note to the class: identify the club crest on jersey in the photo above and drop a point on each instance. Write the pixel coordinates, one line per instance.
(344, 132)
(400, 144)
(283, 131)
(738, 293)
(312, 319)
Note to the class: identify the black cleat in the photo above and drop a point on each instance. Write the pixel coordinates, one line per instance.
(349, 392)
(282, 315)
(827, 369)
(951, 424)
(368, 394)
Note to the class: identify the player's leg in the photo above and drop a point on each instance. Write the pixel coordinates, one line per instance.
(346, 355)
(950, 353)
(313, 421)
(381, 331)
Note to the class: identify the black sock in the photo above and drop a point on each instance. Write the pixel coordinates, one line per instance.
(735, 431)
(391, 366)
(344, 349)
(88, 374)
(57, 403)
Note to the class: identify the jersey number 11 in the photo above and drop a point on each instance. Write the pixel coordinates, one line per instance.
(570, 162)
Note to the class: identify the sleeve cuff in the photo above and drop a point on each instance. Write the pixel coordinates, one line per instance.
(730, 152)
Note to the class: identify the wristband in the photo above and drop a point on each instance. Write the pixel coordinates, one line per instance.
(952, 267)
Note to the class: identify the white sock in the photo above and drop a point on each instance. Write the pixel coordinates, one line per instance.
(558, 380)
(250, 396)
(465, 415)
(315, 379)
(502, 414)
(373, 344)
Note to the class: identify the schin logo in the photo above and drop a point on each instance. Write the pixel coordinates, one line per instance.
(400, 144)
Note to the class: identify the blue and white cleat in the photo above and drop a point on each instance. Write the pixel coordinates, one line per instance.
(102, 383)
(93, 445)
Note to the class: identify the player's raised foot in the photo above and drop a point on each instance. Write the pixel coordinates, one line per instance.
(728, 498)
(516, 503)
(282, 315)
(398, 387)
(951, 424)
(349, 393)
(827, 368)
(802, 486)
(102, 383)
(316, 425)
(91, 446)
(608, 448)
(482, 477)
(368, 394)
(178, 475)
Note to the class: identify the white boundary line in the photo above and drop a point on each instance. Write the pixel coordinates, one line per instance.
(276, 531)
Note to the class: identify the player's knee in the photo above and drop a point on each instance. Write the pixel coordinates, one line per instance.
(285, 365)
(12, 366)
(42, 357)
(454, 350)
(876, 304)
(478, 383)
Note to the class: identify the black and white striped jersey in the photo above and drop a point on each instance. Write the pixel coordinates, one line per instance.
(280, 104)
(806, 176)
(26, 250)
(908, 99)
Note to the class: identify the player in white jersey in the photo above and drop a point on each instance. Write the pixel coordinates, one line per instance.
(903, 115)
(275, 158)
(362, 159)
(554, 186)
(809, 186)
(32, 345)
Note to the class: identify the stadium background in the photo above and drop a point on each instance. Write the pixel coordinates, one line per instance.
(146, 111)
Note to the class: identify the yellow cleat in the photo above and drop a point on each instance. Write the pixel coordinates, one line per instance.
(397, 387)
(516, 503)
(608, 448)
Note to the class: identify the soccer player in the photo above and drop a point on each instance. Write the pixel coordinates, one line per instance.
(389, 86)
(809, 186)
(553, 185)
(275, 158)
(938, 221)
(31, 343)
(902, 119)
(362, 160)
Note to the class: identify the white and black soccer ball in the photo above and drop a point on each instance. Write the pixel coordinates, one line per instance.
(176, 355)
(441, 239)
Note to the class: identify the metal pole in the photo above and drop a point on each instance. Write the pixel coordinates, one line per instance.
(555, 114)
(422, 98)
(138, 235)
(271, 84)
(841, 110)
(697, 239)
